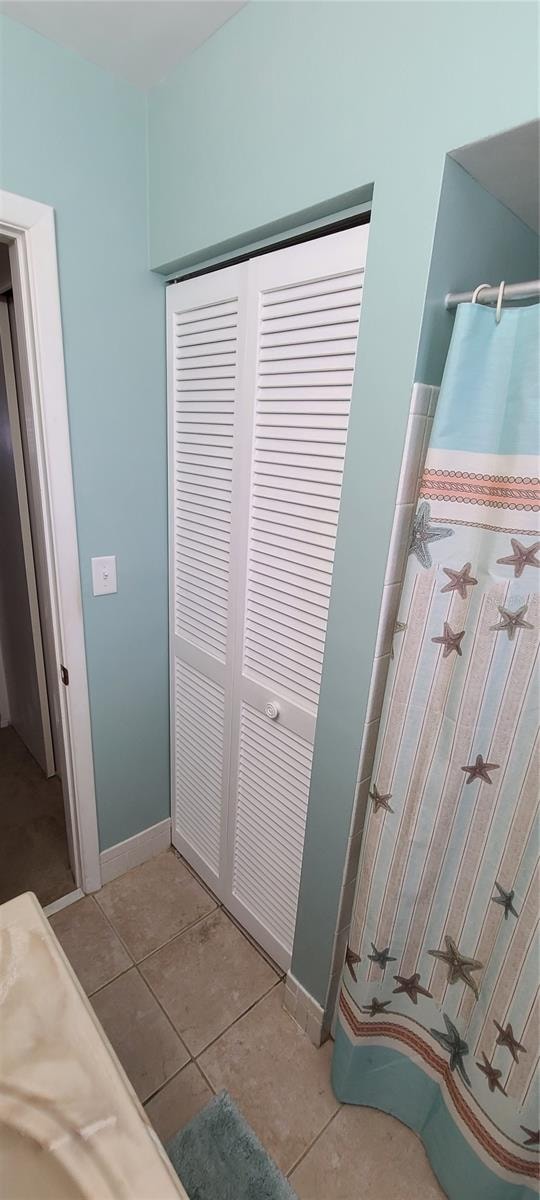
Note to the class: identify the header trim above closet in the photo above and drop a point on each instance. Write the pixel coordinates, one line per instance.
(293, 239)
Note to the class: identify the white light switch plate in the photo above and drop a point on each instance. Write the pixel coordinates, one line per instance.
(104, 575)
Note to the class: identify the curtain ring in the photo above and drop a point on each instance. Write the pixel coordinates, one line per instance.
(478, 289)
(499, 301)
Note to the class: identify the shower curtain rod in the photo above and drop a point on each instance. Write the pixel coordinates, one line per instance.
(489, 295)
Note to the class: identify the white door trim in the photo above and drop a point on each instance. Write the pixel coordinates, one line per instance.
(29, 228)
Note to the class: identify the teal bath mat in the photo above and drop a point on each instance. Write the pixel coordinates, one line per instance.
(218, 1157)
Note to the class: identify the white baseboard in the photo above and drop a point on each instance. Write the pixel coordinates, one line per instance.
(135, 850)
(305, 1010)
(64, 902)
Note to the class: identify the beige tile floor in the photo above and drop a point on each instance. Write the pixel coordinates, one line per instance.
(191, 1006)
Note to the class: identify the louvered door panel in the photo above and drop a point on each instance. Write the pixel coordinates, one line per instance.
(199, 717)
(205, 350)
(304, 309)
(302, 412)
(206, 321)
(273, 782)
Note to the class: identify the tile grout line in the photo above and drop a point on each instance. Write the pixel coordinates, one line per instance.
(102, 986)
(169, 1020)
(206, 1077)
(162, 1086)
(135, 964)
(135, 967)
(194, 1058)
(217, 905)
(314, 1142)
(180, 858)
(175, 936)
(94, 897)
(270, 962)
(221, 904)
(137, 961)
(259, 999)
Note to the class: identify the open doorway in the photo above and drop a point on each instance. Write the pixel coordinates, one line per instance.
(35, 851)
(48, 823)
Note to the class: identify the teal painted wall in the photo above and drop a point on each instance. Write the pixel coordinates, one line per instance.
(285, 107)
(74, 137)
(477, 240)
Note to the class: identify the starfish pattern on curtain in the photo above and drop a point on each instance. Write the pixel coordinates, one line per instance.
(448, 879)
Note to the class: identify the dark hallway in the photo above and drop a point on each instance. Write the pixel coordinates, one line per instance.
(33, 843)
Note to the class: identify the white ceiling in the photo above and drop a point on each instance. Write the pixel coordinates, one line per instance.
(508, 166)
(140, 40)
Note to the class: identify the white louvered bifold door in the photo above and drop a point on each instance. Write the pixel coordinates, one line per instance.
(261, 359)
(302, 326)
(205, 335)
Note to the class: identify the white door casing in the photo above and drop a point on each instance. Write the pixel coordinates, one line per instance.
(244, 719)
(28, 226)
(39, 547)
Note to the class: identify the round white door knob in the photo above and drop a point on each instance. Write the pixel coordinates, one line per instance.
(272, 710)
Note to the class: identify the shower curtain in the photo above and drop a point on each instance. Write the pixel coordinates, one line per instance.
(439, 1010)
